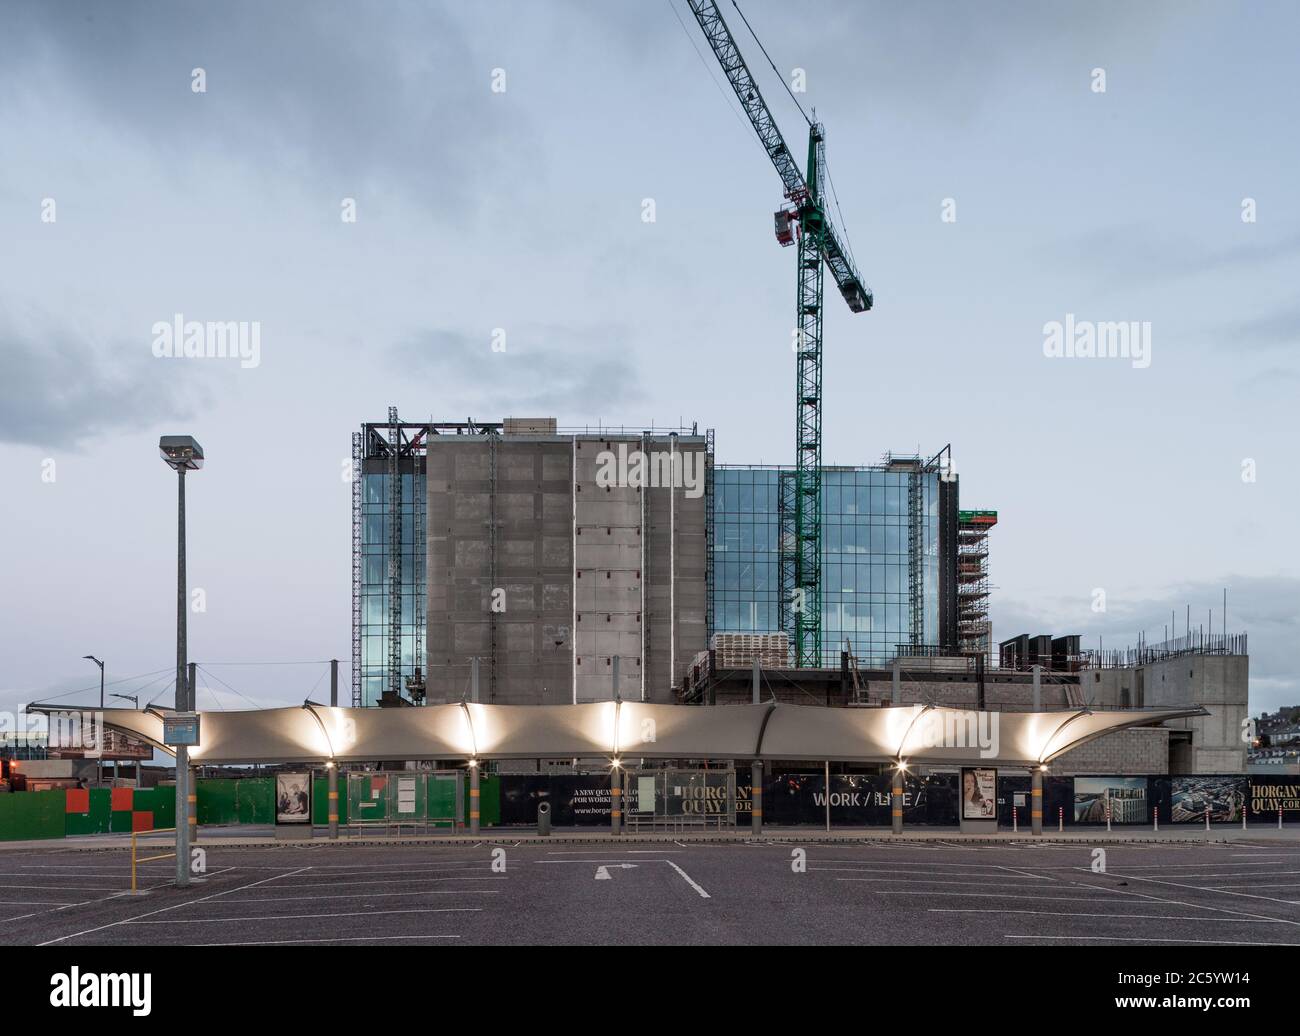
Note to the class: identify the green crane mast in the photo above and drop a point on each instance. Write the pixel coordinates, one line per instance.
(820, 245)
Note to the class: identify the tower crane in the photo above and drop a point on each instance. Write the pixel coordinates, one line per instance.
(803, 218)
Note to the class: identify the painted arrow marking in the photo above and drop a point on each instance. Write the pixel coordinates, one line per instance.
(602, 873)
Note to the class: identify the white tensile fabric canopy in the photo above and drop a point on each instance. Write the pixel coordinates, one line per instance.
(918, 734)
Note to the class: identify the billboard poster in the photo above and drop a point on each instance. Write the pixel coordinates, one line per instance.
(979, 793)
(1269, 794)
(1125, 796)
(1189, 797)
(293, 798)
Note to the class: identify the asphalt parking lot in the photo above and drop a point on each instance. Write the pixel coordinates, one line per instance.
(870, 892)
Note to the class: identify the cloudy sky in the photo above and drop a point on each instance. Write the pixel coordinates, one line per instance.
(127, 197)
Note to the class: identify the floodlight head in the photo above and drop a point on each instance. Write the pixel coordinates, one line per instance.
(181, 452)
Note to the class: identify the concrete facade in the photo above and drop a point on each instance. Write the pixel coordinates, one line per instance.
(1199, 744)
(546, 570)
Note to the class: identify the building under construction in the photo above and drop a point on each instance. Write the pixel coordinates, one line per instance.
(974, 631)
(494, 557)
(525, 563)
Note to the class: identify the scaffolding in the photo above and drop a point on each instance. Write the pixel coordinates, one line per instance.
(974, 631)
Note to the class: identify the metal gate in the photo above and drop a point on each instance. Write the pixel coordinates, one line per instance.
(681, 799)
(400, 800)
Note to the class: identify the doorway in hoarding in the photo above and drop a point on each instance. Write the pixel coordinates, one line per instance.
(405, 801)
(681, 799)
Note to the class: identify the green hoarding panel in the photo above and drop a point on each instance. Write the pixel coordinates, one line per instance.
(256, 797)
(32, 814)
(101, 810)
(120, 820)
(164, 806)
(216, 801)
(442, 798)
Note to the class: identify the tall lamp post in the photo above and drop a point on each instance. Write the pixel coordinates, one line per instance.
(181, 453)
(99, 763)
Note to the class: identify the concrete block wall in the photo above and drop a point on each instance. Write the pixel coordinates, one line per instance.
(1140, 750)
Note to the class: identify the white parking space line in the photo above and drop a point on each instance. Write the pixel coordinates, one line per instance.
(983, 895)
(1200, 888)
(174, 906)
(1027, 891)
(348, 939)
(299, 917)
(362, 895)
(1120, 938)
(330, 884)
(1116, 917)
(688, 878)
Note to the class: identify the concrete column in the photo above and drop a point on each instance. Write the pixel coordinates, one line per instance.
(756, 797)
(1038, 688)
(614, 667)
(473, 679)
(896, 691)
(896, 801)
(1036, 801)
(756, 680)
(615, 799)
(191, 805)
(333, 787)
(182, 805)
(473, 798)
(334, 682)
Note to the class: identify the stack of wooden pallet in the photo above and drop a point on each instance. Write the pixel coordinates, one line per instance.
(738, 650)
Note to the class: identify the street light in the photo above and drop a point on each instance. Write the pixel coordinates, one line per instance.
(182, 453)
(99, 763)
(99, 663)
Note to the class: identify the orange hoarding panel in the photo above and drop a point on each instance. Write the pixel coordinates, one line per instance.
(141, 821)
(123, 799)
(78, 800)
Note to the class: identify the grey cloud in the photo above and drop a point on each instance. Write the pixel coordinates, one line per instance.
(359, 99)
(1280, 328)
(545, 370)
(58, 391)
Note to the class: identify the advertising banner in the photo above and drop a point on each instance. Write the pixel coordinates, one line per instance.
(1189, 797)
(1126, 798)
(1269, 794)
(293, 798)
(979, 793)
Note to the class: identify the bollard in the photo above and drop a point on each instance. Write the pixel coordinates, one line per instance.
(896, 802)
(756, 798)
(1243, 818)
(1107, 812)
(1279, 818)
(1036, 803)
(474, 797)
(333, 792)
(1207, 818)
(1015, 821)
(543, 818)
(1156, 814)
(1060, 818)
(615, 799)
